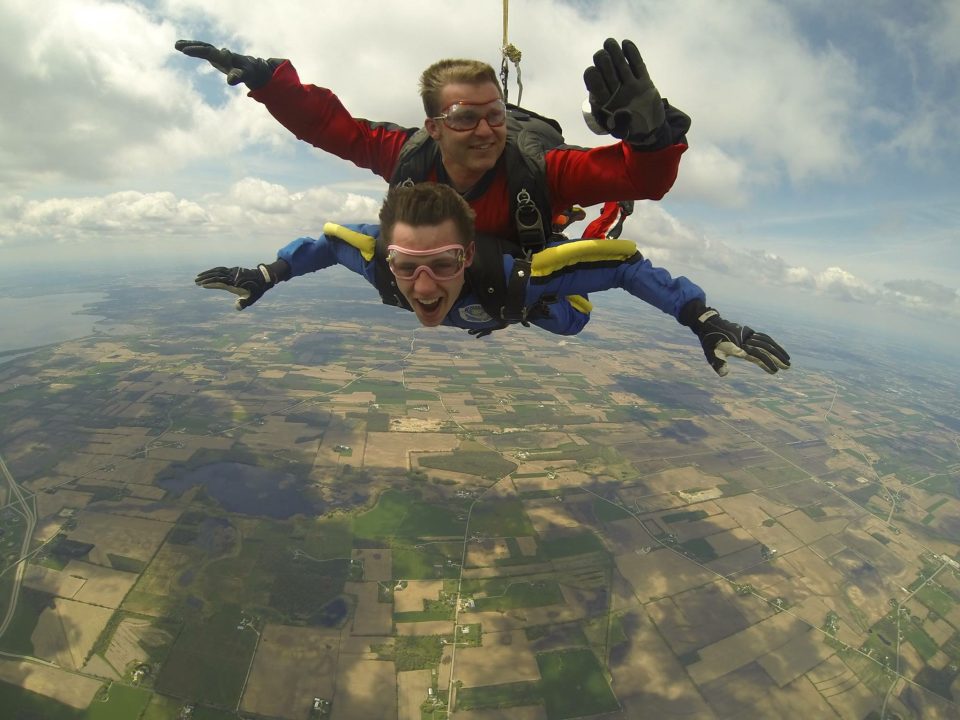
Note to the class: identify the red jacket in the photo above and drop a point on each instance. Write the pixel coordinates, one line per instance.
(581, 176)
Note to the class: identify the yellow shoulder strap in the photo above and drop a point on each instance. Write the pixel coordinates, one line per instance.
(366, 244)
(553, 259)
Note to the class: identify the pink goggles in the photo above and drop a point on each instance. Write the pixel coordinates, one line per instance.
(442, 263)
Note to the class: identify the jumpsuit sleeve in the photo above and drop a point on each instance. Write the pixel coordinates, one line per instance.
(307, 255)
(588, 176)
(637, 275)
(315, 115)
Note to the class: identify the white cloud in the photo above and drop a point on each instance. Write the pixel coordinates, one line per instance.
(96, 98)
(247, 209)
(668, 241)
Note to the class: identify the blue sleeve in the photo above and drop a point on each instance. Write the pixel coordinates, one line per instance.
(307, 255)
(640, 278)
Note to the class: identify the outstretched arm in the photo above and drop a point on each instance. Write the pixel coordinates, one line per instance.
(337, 246)
(585, 266)
(313, 114)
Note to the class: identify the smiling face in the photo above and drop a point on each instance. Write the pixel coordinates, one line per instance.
(468, 154)
(430, 297)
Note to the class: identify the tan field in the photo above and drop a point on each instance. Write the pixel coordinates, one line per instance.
(126, 645)
(487, 552)
(708, 527)
(135, 538)
(341, 432)
(550, 514)
(53, 503)
(685, 478)
(412, 687)
(96, 665)
(146, 492)
(749, 692)
(430, 627)
(646, 677)
(503, 658)
(157, 582)
(377, 563)
(790, 661)
(813, 571)
(66, 632)
(371, 617)
(840, 686)
(88, 583)
(731, 541)
(292, 666)
(660, 573)
(51, 581)
(528, 545)
(411, 598)
(142, 508)
(808, 529)
(366, 690)
(744, 647)
(68, 688)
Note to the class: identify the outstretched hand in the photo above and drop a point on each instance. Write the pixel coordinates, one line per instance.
(722, 339)
(253, 72)
(248, 285)
(623, 98)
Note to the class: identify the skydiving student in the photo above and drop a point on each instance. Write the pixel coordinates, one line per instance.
(424, 257)
(509, 165)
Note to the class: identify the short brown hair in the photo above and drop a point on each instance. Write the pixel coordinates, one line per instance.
(426, 204)
(444, 72)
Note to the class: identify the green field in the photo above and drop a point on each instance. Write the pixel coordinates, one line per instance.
(914, 633)
(574, 685)
(500, 696)
(15, 703)
(605, 511)
(433, 610)
(123, 702)
(30, 605)
(404, 515)
(209, 660)
(936, 598)
(522, 595)
(426, 562)
(482, 463)
(569, 545)
(500, 518)
(699, 549)
(684, 516)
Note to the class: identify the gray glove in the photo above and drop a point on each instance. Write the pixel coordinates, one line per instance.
(248, 285)
(722, 339)
(253, 72)
(623, 98)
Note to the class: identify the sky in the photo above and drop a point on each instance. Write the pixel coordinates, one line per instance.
(823, 172)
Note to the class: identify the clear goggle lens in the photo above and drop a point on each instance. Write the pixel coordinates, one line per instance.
(463, 116)
(444, 263)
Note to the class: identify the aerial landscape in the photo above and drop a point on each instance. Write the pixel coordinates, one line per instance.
(316, 509)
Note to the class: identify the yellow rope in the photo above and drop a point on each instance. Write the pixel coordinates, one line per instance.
(510, 52)
(506, 15)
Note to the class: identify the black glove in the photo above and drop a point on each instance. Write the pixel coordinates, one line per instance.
(722, 339)
(248, 285)
(623, 98)
(254, 72)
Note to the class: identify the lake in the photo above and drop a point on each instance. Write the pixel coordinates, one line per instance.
(45, 319)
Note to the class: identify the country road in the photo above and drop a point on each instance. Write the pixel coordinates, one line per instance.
(29, 514)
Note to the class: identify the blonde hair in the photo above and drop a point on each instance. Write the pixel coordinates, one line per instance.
(426, 204)
(445, 72)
